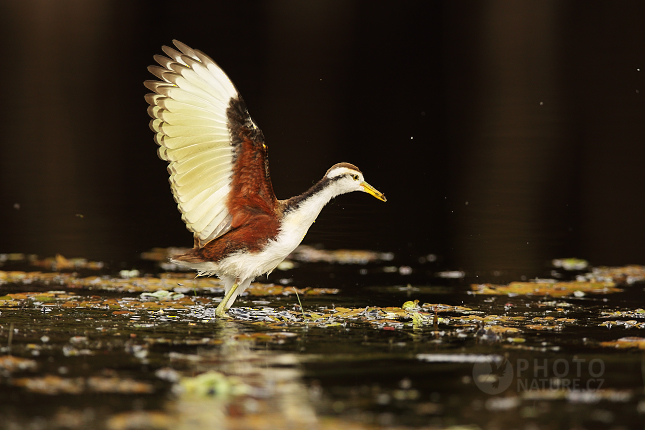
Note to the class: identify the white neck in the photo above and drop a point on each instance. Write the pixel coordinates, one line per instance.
(301, 218)
(300, 213)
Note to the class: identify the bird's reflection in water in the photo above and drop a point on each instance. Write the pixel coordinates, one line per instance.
(249, 388)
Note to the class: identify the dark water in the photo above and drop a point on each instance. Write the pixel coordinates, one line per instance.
(362, 373)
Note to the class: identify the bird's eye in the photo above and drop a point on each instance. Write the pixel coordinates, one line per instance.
(355, 177)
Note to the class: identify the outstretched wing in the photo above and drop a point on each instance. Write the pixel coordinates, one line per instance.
(205, 133)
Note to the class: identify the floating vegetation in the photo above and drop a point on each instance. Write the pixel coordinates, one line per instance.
(51, 263)
(309, 254)
(10, 364)
(151, 285)
(257, 289)
(26, 278)
(547, 288)
(579, 396)
(625, 343)
(52, 384)
(160, 300)
(620, 275)
(199, 308)
(624, 324)
(409, 315)
(162, 254)
(303, 253)
(570, 263)
(323, 318)
(213, 384)
(137, 420)
(14, 299)
(460, 358)
(16, 257)
(67, 300)
(452, 274)
(274, 337)
(401, 270)
(446, 308)
(61, 263)
(162, 295)
(633, 313)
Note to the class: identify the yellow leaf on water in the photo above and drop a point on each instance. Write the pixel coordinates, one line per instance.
(626, 342)
(554, 289)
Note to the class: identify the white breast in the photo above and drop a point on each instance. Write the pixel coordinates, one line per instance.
(294, 227)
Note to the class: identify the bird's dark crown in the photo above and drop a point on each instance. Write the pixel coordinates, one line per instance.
(345, 165)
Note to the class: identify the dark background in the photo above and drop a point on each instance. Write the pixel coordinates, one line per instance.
(504, 133)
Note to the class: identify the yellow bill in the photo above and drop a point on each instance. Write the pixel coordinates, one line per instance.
(373, 191)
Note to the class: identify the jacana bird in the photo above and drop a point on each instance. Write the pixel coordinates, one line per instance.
(219, 174)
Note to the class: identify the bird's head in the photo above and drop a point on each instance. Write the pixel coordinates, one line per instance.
(347, 178)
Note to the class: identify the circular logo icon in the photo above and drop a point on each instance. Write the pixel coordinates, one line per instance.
(493, 377)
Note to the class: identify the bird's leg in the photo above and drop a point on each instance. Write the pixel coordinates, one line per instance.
(221, 308)
(241, 287)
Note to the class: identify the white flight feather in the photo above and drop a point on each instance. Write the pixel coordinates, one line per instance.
(191, 125)
(198, 159)
(192, 200)
(208, 171)
(214, 219)
(181, 107)
(183, 96)
(185, 141)
(214, 198)
(184, 153)
(193, 197)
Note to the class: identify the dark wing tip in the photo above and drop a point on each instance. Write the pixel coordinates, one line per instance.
(185, 49)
